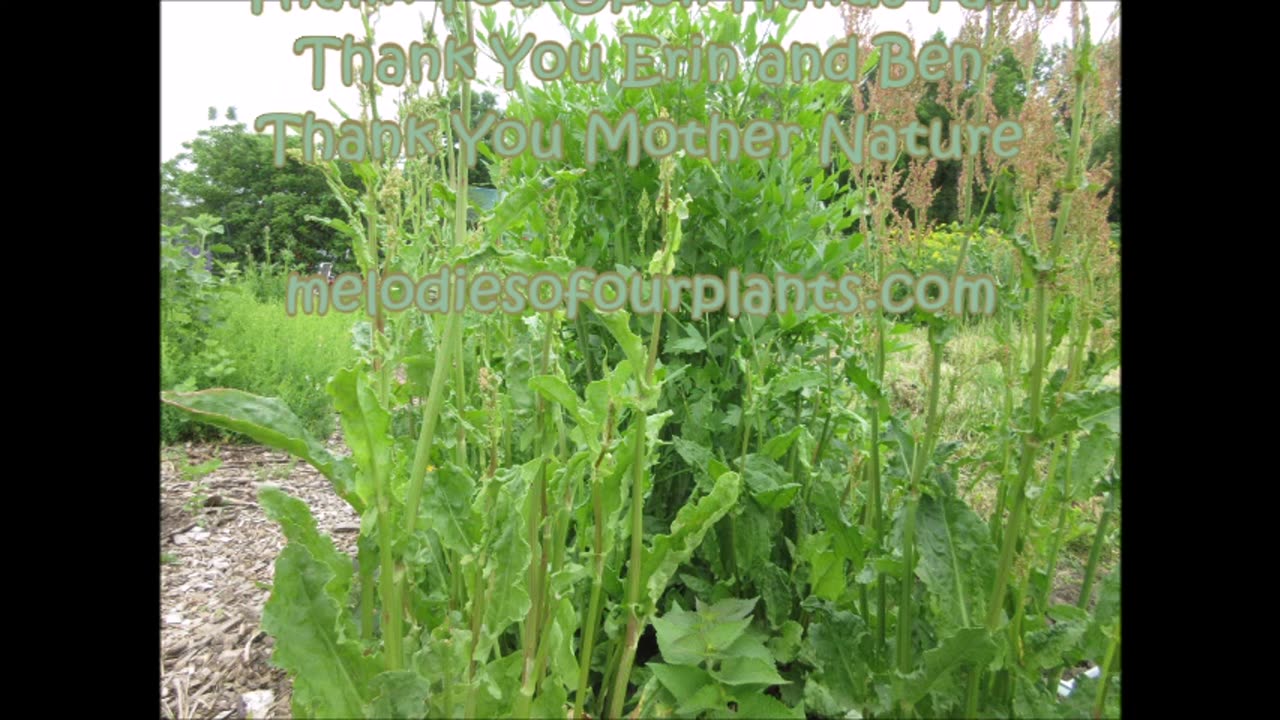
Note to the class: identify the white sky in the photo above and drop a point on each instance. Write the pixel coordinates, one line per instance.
(218, 53)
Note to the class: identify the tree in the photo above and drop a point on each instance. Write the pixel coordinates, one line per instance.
(229, 173)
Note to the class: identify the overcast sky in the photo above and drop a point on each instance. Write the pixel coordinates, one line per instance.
(218, 53)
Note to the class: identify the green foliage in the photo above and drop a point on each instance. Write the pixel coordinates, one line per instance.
(712, 658)
(260, 349)
(228, 173)
(535, 490)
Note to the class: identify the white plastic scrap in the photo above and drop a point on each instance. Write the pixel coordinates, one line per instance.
(1066, 686)
(257, 703)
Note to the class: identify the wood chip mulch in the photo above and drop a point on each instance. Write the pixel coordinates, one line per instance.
(218, 551)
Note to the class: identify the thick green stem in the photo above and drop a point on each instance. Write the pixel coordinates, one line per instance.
(597, 576)
(1051, 565)
(633, 570)
(450, 339)
(1095, 552)
(1113, 649)
(873, 469)
(923, 456)
(365, 562)
(392, 630)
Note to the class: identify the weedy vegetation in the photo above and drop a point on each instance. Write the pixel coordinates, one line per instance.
(806, 515)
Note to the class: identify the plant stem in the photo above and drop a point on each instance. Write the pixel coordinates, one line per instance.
(923, 455)
(633, 569)
(597, 576)
(1095, 552)
(1051, 565)
(1113, 649)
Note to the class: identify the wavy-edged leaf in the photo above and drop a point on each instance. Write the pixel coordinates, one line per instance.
(1083, 411)
(294, 518)
(769, 482)
(766, 706)
(558, 391)
(972, 646)
(270, 422)
(619, 325)
(399, 694)
(366, 427)
(506, 569)
(834, 643)
(314, 639)
(956, 560)
(664, 557)
(446, 503)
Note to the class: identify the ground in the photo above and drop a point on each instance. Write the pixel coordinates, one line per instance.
(217, 560)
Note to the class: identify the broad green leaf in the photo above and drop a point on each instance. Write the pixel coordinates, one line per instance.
(563, 664)
(619, 325)
(697, 456)
(747, 671)
(827, 577)
(775, 589)
(793, 380)
(366, 427)
(766, 706)
(754, 535)
(834, 644)
(786, 645)
(499, 682)
(551, 702)
(1090, 459)
(512, 206)
(691, 344)
(399, 694)
(709, 697)
(971, 646)
(1033, 699)
(443, 656)
(682, 681)
(769, 482)
(446, 507)
(750, 644)
(506, 568)
(819, 699)
(1056, 645)
(956, 561)
(664, 557)
(557, 390)
(689, 638)
(727, 610)
(778, 445)
(1083, 411)
(315, 642)
(1105, 615)
(859, 376)
(678, 637)
(270, 422)
(299, 527)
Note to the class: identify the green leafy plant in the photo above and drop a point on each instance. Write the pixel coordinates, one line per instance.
(537, 490)
(716, 663)
(195, 475)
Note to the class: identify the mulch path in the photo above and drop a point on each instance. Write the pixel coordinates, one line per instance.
(218, 550)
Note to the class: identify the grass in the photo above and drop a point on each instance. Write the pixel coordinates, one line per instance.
(269, 354)
(974, 384)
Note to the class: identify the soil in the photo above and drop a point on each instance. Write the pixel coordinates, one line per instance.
(218, 550)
